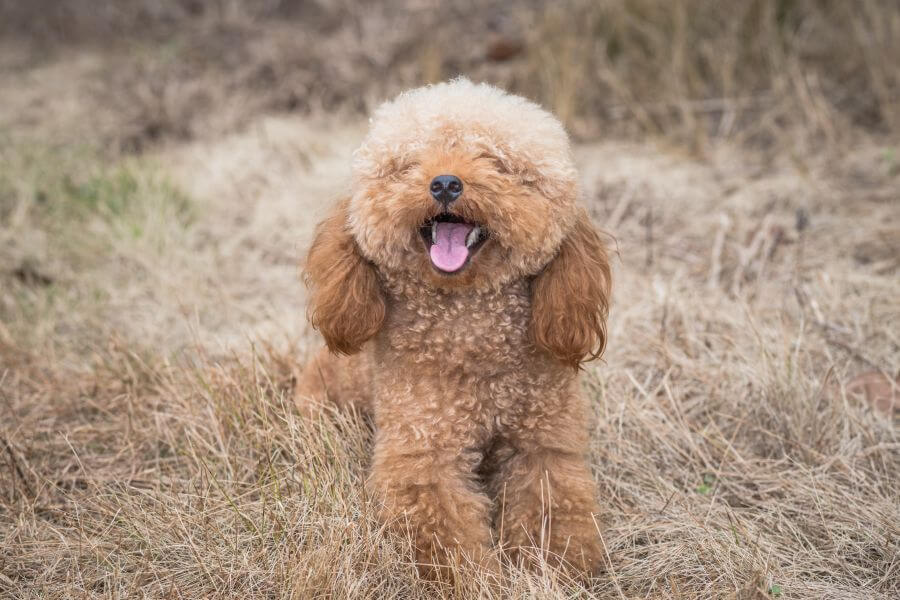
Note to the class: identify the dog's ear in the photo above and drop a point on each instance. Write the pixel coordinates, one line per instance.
(570, 297)
(346, 303)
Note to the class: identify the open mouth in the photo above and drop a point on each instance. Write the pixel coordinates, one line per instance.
(451, 241)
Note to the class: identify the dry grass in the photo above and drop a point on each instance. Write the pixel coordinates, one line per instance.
(142, 463)
(746, 71)
(740, 70)
(150, 320)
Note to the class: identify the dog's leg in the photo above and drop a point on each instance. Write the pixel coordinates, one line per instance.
(329, 380)
(546, 498)
(429, 490)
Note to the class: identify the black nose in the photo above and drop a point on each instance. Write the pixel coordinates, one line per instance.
(446, 188)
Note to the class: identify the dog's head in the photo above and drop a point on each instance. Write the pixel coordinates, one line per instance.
(465, 187)
(462, 185)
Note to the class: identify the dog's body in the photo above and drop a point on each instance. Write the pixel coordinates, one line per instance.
(470, 372)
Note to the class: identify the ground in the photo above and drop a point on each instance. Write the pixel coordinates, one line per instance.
(151, 318)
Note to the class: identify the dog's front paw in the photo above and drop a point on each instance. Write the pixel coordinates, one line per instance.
(439, 563)
(576, 544)
(571, 544)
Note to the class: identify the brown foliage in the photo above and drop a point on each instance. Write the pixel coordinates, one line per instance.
(764, 72)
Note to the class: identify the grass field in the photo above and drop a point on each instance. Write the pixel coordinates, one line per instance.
(745, 440)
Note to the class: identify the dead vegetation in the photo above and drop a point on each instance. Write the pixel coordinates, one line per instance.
(746, 437)
(743, 71)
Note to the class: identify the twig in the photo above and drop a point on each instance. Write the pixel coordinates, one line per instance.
(715, 269)
(699, 106)
(15, 464)
(621, 208)
(615, 576)
(668, 501)
(749, 253)
(804, 300)
(857, 354)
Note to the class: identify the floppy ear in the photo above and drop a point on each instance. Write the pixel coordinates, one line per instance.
(570, 297)
(346, 303)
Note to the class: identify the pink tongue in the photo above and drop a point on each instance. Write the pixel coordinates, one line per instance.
(449, 251)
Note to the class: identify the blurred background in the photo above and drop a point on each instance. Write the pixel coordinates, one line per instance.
(774, 74)
(163, 162)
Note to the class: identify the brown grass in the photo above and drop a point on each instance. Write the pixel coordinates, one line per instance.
(689, 70)
(151, 317)
(743, 70)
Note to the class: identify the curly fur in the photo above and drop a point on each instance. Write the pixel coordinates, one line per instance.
(478, 412)
(346, 304)
(570, 297)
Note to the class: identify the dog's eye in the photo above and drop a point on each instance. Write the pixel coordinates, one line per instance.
(399, 167)
(496, 162)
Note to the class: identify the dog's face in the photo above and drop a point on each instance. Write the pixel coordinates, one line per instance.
(462, 186)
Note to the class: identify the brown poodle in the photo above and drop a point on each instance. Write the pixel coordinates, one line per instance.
(458, 287)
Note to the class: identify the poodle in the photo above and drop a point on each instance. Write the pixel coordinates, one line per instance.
(459, 286)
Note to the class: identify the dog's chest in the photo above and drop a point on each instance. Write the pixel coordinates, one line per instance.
(472, 334)
(465, 362)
